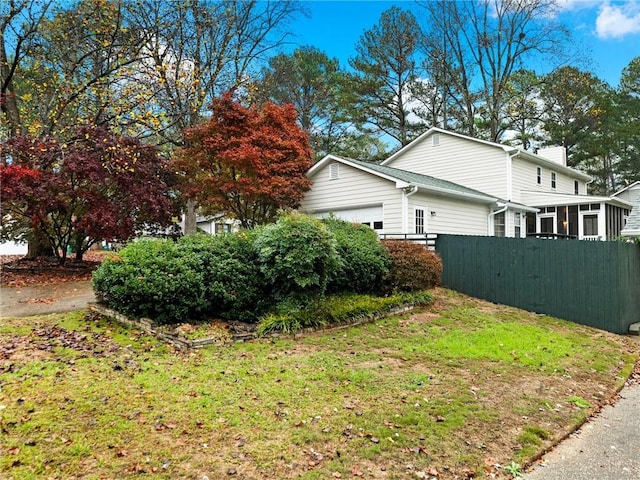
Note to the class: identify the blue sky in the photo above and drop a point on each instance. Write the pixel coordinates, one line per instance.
(608, 31)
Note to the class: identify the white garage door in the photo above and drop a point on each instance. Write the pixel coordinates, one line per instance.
(371, 216)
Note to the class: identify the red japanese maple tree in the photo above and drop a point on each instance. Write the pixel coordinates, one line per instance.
(245, 162)
(94, 186)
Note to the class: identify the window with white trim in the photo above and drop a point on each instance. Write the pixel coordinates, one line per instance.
(499, 224)
(553, 180)
(517, 229)
(419, 220)
(539, 175)
(334, 171)
(576, 187)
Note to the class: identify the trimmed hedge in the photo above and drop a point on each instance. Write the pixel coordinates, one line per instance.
(364, 260)
(153, 278)
(284, 267)
(413, 267)
(196, 277)
(297, 256)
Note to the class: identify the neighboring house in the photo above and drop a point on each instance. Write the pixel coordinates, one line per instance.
(516, 193)
(213, 224)
(631, 194)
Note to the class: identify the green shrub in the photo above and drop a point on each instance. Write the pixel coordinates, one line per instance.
(235, 286)
(197, 277)
(364, 260)
(297, 256)
(151, 279)
(413, 267)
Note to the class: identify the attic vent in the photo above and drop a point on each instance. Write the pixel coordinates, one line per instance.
(435, 140)
(334, 171)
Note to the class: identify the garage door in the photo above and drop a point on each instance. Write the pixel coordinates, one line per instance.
(371, 216)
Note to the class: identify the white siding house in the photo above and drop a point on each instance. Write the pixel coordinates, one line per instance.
(631, 194)
(393, 201)
(445, 182)
(542, 181)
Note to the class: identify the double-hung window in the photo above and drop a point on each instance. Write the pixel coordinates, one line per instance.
(499, 224)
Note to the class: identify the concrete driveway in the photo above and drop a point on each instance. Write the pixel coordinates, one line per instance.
(40, 300)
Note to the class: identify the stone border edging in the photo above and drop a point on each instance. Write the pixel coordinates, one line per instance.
(150, 327)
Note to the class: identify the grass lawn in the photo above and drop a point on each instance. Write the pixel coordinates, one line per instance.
(462, 389)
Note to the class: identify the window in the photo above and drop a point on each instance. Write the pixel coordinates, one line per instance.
(419, 220)
(517, 230)
(222, 228)
(435, 140)
(553, 180)
(334, 171)
(539, 175)
(498, 224)
(576, 187)
(377, 225)
(590, 224)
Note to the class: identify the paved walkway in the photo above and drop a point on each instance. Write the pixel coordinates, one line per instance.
(605, 448)
(41, 300)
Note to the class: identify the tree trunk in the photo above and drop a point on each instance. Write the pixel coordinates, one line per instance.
(190, 225)
(38, 246)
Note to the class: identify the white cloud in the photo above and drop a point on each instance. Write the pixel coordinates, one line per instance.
(618, 20)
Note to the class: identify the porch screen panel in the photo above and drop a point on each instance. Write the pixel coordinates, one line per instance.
(573, 220)
(590, 224)
(562, 220)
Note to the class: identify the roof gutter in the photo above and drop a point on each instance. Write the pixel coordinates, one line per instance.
(456, 194)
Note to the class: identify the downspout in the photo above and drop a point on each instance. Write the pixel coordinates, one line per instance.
(509, 195)
(406, 193)
(492, 214)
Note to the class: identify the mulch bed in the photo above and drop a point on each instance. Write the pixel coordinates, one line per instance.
(16, 271)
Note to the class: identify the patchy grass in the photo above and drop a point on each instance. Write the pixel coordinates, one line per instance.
(450, 391)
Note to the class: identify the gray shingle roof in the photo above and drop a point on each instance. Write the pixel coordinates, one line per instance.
(421, 180)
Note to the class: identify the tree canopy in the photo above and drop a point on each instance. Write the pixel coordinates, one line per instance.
(95, 186)
(247, 162)
(157, 71)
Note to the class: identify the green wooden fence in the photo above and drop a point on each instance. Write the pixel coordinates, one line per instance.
(592, 283)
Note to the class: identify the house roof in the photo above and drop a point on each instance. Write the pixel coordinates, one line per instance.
(513, 151)
(631, 186)
(549, 199)
(632, 228)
